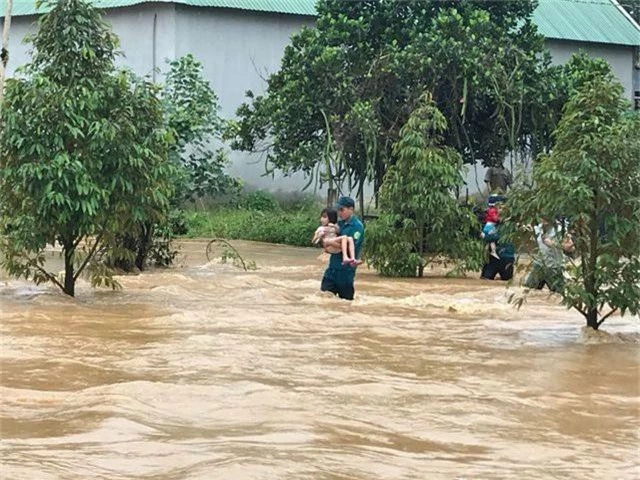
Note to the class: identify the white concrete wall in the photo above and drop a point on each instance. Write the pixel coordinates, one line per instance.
(239, 49)
(18, 50)
(620, 58)
(134, 27)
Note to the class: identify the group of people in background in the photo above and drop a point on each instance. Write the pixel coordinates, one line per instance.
(554, 243)
(501, 254)
(341, 234)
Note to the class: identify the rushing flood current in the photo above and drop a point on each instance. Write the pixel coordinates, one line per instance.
(207, 372)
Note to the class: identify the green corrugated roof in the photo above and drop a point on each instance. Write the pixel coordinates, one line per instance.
(598, 21)
(28, 7)
(291, 7)
(294, 7)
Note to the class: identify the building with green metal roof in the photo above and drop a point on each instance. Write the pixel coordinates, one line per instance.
(594, 21)
(587, 21)
(241, 41)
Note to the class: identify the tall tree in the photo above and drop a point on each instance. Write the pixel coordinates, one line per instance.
(192, 113)
(83, 149)
(371, 60)
(421, 220)
(592, 176)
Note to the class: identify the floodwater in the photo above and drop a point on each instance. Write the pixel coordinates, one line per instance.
(204, 371)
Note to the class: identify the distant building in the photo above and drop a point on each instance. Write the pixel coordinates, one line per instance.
(240, 42)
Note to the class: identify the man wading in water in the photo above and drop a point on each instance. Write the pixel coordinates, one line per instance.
(339, 278)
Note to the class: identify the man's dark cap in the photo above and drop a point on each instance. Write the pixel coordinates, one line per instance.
(345, 202)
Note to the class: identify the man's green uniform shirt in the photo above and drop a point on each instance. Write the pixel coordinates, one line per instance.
(352, 228)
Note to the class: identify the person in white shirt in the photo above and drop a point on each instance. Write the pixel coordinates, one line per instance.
(548, 262)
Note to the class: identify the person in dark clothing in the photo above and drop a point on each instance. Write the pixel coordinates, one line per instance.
(339, 277)
(503, 264)
(498, 179)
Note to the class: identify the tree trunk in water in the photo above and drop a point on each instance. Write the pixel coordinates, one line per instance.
(590, 271)
(592, 319)
(421, 249)
(69, 281)
(4, 49)
(146, 243)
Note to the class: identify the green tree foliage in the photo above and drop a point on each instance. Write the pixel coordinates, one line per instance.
(191, 114)
(593, 177)
(540, 99)
(355, 78)
(83, 149)
(422, 220)
(191, 111)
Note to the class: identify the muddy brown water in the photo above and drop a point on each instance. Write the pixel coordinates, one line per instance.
(204, 371)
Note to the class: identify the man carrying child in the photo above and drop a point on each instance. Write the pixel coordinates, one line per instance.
(340, 275)
(501, 256)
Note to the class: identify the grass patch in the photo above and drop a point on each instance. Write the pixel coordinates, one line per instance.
(276, 226)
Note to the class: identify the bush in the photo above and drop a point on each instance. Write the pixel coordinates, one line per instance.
(288, 228)
(261, 216)
(297, 201)
(389, 250)
(421, 221)
(260, 201)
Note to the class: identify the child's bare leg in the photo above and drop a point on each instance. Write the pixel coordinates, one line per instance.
(494, 252)
(352, 251)
(344, 244)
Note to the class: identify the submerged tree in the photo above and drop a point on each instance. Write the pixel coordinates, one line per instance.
(592, 177)
(83, 150)
(422, 221)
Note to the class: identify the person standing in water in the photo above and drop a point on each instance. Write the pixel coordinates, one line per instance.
(339, 277)
(548, 263)
(504, 259)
